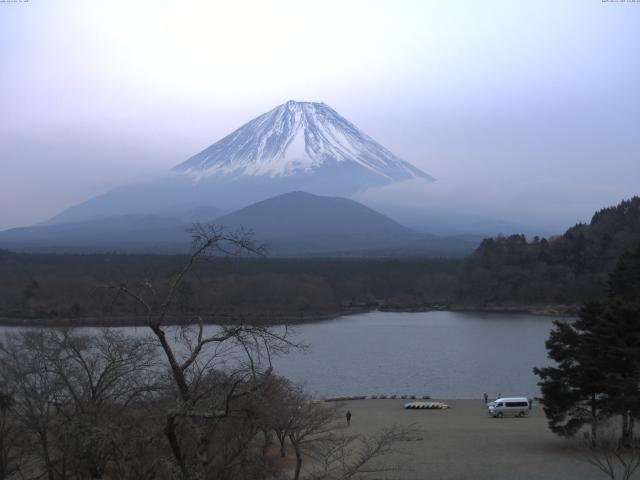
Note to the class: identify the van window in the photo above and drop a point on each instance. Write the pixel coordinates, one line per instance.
(517, 404)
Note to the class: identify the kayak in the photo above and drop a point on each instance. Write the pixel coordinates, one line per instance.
(426, 406)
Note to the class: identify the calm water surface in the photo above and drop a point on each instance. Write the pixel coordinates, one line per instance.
(442, 354)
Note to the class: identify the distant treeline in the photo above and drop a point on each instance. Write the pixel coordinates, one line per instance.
(565, 269)
(504, 272)
(55, 287)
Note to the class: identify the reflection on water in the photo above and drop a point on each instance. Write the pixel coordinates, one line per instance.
(442, 354)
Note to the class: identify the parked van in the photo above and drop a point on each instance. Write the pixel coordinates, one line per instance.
(512, 406)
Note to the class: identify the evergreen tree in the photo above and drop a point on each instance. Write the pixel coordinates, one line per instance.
(620, 334)
(598, 359)
(624, 281)
(574, 391)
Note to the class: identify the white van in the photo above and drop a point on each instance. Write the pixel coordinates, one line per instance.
(512, 406)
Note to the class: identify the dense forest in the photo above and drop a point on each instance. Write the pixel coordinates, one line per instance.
(507, 272)
(565, 269)
(52, 288)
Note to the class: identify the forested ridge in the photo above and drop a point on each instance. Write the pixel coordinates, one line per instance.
(564, 269)
(506, 272)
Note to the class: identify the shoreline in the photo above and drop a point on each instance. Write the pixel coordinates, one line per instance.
(139, 321)
(564, 311)
(549, 310)
(462, 442)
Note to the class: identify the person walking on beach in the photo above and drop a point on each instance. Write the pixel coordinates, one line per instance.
(486, 398)
(348, 417)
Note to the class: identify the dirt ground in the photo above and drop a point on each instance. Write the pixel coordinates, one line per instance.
(464, 443)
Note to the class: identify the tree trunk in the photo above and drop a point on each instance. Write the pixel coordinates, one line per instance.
(594, 423)
(283, 451)
(267, 442)
(202, 451)
(178, 374)
(296, 447)
(625, 428)
(44, 443)
(282, 439)
(170, 432)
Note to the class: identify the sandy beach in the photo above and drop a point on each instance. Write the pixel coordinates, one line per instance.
(464, 443)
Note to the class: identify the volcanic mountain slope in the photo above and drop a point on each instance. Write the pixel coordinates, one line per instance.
(302, 224)
(299, 222)
(290, 225)
(123, 233)
(300, 138)
(296, 146)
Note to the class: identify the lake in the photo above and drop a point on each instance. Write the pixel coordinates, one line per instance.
(442, 354)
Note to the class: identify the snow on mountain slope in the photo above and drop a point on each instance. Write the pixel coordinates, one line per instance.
(296, 146)
(298, 138)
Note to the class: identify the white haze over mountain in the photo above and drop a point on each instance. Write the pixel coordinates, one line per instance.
(296, 146)
(522, 111)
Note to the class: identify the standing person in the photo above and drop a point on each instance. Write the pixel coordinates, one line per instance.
(486, 398)
(530, 403)
(499, 395)
(348, 417)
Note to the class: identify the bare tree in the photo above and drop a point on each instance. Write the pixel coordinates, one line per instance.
(70, 392)
(317, 433)
(103, 375)
(312, 424)
(344, 457)
(185, 401)
(279, 407)
(615, 458)
(36, 392)
(12, 458)
(195, 355)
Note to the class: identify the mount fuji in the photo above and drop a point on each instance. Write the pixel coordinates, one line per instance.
(296, 146)
(300, 138)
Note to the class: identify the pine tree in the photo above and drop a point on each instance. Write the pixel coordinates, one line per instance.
(598, 359)
(574, 391)
(620, 334)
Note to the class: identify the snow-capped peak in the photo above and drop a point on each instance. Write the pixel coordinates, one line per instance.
(298, 138)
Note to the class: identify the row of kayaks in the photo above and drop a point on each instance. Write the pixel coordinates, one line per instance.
(426, 406)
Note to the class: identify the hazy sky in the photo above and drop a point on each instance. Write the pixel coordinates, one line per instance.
(521, 109)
